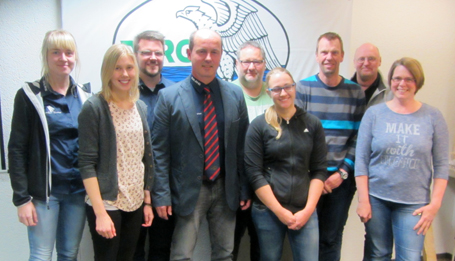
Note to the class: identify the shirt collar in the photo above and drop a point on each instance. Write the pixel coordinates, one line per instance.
(46, 89)
(158, 86)
(375, 84)
(199, 86)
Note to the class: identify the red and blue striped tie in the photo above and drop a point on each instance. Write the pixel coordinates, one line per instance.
(211, 143)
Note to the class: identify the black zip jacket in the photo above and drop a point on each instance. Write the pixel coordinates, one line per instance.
(28, 157)
(289, 163)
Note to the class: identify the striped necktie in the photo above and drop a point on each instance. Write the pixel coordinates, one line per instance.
(211, 143)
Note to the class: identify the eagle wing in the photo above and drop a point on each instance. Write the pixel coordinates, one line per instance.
(237, 22)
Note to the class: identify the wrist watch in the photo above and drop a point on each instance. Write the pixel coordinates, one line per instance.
(344, 175)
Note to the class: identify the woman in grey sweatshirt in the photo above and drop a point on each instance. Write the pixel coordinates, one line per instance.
(402, 147)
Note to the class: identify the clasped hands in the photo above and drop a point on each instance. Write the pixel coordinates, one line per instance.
(294, 221)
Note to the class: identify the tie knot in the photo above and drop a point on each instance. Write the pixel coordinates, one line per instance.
(207, 90)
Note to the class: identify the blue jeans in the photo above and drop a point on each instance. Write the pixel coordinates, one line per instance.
(333, 210)
(212, 205)
(391, 221)
(60, 224)
(271, 232)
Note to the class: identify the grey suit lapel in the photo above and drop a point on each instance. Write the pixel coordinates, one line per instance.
(186, 94)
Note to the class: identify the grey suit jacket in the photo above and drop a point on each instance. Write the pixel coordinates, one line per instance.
(179, 150)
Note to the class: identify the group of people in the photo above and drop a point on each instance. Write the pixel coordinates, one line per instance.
(146, 156)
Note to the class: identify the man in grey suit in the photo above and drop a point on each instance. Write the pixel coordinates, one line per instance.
(198, 139)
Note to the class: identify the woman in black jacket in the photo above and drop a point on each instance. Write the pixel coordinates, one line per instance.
(285, 157)
(42, 152)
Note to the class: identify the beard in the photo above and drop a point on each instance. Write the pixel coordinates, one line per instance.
(252, 79)
(250, 82)
(151, 74)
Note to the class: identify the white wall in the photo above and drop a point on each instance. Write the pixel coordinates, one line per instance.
(423, 30)
(418, 28)
(22, 27)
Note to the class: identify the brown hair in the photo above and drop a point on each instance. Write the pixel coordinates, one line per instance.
(413, 66)
(148, 35)
(330, 36)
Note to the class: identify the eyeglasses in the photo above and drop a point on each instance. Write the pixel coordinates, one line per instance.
(277, 90)
(369, 59)
(406, 80)
(148, 54)
(248, 63)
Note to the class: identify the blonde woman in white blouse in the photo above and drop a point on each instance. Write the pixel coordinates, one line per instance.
(115, 158)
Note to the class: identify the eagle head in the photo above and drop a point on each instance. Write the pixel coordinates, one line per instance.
(191, 13)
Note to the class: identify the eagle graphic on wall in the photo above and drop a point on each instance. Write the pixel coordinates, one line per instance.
(237, 22)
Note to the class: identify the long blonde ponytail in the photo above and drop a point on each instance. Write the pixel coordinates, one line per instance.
(272, 118)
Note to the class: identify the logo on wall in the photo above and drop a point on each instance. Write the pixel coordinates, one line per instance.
(237, 21)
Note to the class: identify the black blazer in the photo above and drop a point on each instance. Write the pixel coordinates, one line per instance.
(179, 150)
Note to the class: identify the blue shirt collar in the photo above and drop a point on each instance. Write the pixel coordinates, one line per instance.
(46, 89)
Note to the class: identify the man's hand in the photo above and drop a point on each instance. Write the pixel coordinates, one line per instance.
(164, 211)
(332, 182)
(245, 204)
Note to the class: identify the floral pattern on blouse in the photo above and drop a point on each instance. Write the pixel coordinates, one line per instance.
(130, 151)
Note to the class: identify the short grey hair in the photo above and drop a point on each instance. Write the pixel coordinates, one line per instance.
(250, 44)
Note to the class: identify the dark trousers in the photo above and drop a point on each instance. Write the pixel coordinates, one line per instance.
(121, 247)
(244, 221)
(333, 210)
(160, 238)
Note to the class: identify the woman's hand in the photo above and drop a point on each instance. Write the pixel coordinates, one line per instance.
(286, 217)
(364, 211)
(148, 215)
(427, 214)
(105, 227)
(429, 211)
(27, 214)
(302, 218)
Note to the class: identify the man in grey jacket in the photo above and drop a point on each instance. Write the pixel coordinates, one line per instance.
(367, 61)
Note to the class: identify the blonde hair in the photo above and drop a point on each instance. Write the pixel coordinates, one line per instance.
(271, 116)
(57, 39)
(110, 60)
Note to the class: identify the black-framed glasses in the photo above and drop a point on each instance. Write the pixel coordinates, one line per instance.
(255, 63)
(277, 90)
